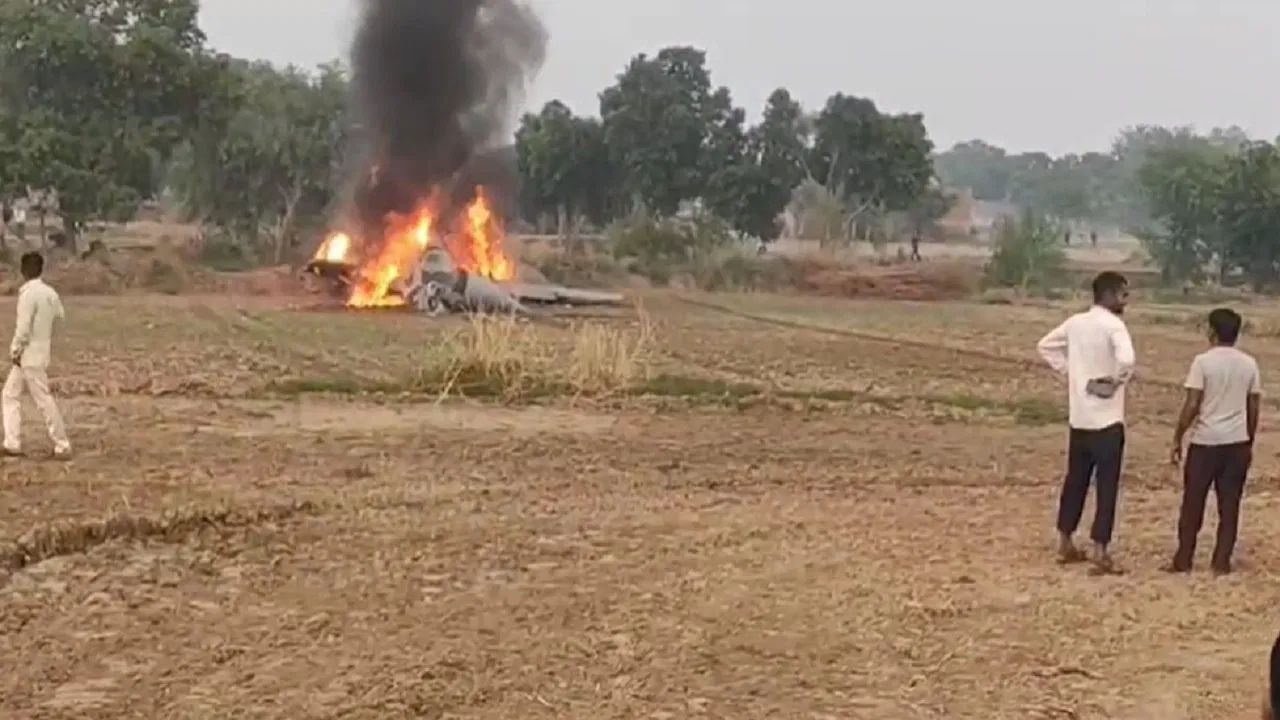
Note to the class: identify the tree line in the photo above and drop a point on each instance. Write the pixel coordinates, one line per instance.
(1205, 205)
(108, 104)
(666, 137)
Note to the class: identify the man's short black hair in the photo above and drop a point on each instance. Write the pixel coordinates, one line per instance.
(1106, 283)
(1225, 324)
(32, 264)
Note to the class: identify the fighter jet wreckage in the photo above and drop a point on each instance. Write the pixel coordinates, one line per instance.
(436, 285)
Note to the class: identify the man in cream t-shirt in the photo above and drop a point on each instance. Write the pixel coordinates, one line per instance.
(1224, 391)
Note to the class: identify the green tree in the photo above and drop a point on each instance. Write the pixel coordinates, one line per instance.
(782, 140)
(674, 138)
(94, 95)
(870, 160)
(985, 169)
(726, 158)
(774, 166)
(1182, 185)
(751, 174)
(1249, 213)
(565, 168)
(272, 168)
(1061, 188)
(656, 121)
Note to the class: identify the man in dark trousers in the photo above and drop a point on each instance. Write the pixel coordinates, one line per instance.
(1271, 703)
(915, 248)
(1094, 352)
(1224, 392)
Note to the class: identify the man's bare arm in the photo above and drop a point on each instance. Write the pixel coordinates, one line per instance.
(1253, 409)
(1190, 411)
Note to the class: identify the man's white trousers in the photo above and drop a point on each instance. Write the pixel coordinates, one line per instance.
(35, 380)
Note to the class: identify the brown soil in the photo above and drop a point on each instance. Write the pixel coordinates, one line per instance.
(871, 537)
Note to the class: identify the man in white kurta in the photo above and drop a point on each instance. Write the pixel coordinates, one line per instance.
(38, 307)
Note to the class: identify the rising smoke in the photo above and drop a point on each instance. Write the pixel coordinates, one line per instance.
(435, 85)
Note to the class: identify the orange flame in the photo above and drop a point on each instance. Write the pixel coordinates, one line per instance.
(334, 249)
(476, 247)
(479, 249)
(407, 239)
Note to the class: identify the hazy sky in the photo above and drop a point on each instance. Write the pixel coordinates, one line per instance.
(1058, 75)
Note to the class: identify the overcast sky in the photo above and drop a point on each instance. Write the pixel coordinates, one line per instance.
(1057, 75)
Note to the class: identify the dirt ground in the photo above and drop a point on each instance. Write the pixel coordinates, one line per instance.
(870, 537)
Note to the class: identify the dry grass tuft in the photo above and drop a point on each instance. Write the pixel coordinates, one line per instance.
(492, 356)
(607, 360)
(499, 356)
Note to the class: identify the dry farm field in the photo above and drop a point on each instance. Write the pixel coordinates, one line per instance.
(803, 508)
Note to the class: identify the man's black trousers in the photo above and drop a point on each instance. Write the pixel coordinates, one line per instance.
(1090, 454)
(1223, 468)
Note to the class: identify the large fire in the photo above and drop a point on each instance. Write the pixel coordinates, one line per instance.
(475, 245)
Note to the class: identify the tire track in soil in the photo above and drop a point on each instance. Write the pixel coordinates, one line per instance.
(58, 539)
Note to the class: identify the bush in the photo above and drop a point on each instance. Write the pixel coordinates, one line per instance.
(1027, 255)
(582, 268)
(657, 249)
(738, 271)
(221, 252)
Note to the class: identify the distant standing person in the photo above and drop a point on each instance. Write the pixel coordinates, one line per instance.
(1093, 239)
(20, 222)
(38, 307)
(1095, 353)
(1224, 392)
(915, 248)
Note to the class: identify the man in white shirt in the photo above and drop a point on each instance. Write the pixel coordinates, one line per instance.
(1224, 394)
(1095, 353)
(38, 307)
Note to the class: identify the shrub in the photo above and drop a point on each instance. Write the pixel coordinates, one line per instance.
(581, 268)
(225, 255)
(657, 248)
(738, 270)
(1027, 255)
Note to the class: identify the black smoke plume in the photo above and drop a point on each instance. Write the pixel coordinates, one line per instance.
(435, 85)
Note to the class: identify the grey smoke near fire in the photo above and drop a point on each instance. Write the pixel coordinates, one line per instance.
(436, 85)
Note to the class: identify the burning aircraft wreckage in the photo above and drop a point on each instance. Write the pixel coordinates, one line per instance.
(433, 88)
(415, 266)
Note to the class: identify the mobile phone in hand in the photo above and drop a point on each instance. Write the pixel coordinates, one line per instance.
(1102, 387)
